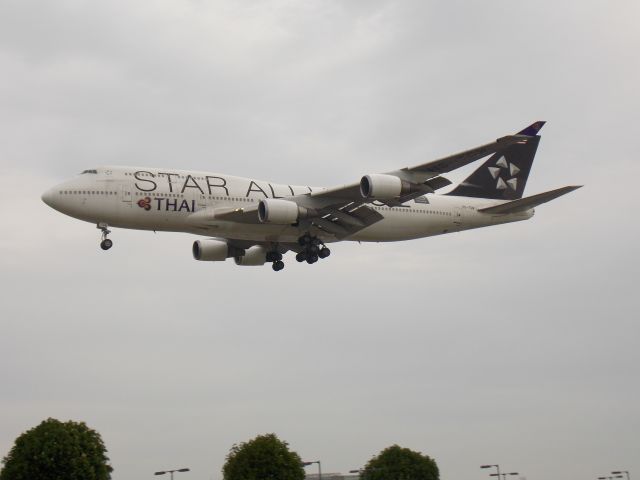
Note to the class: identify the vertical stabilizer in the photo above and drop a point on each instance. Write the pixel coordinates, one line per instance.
(504, 175)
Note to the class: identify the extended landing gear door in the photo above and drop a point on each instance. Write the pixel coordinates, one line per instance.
(126, 193)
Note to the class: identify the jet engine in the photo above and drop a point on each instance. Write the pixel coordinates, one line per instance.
(386, 187)
(210, 250)
(281, 212)
(254, 256)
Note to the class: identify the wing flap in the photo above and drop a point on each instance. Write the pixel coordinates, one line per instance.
(335, 222)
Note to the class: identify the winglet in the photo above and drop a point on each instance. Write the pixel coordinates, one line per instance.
(532, 129)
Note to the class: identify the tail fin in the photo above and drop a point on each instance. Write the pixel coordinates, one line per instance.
(504, 175)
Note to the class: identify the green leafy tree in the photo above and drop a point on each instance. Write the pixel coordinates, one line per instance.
(57, 451)
(397, 463)
(266, 457)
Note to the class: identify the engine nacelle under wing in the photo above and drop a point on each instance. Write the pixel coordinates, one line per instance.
(210, 250)
(281, 212)
(386, 187)
(254, 256)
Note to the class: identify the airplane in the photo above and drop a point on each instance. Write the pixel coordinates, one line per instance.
(257, 222)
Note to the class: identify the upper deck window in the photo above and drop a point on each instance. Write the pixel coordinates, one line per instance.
(89, 171)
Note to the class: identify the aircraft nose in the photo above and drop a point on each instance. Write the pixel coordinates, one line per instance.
(49, 197)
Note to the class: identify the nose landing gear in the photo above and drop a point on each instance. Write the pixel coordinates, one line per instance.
(313, 249)
(106, 243)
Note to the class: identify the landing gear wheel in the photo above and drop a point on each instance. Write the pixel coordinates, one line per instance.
(105, 244)
(278, 265)
(312, 249)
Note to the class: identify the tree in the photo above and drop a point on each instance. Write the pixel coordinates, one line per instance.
(266, 457)
(397, 463)
(57, 451)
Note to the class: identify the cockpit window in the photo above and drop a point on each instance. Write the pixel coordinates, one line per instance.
(89, 171)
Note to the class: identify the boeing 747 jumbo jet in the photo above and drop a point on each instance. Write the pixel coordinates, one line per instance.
(256, 222)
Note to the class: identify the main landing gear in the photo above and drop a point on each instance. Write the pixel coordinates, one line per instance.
(312, 249)
(276, 258)
(106, 243)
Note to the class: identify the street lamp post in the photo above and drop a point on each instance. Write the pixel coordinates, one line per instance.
(626, 472)
(306, 464)
(171, 472)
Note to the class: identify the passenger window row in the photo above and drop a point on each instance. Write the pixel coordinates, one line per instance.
(422, 211)
(161, 175)
(86, 192)
(159, 194)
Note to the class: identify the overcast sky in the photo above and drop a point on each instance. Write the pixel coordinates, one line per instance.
(515, 345)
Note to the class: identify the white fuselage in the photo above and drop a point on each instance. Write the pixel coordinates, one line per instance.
(166, 199)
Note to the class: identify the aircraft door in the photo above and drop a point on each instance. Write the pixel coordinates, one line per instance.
(126, 192)
(201, 201)
(457, 217)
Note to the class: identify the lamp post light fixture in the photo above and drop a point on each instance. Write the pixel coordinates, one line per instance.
(171, 472)
(360, 471)
(504, 475)
(306, 464)
(491, 466)
(626, 472)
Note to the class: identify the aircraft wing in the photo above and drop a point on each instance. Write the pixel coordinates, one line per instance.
(342, 211)
(425, 174)
(339, 222)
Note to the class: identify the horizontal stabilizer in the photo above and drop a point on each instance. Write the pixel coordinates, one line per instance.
(523, 204)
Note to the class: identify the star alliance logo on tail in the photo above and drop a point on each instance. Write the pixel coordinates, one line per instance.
(511, 171)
